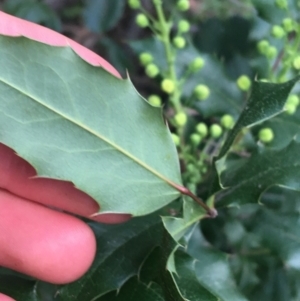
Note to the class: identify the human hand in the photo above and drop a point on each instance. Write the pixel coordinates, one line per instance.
(35, 237)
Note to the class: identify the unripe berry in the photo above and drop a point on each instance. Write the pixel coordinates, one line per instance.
(183, 5)
(281, 4)
(142, 20)
(271, 52)
(152, 70)
(263, 46)
(293, 99)
(202, 92)
(196, 64)
(191, 168)
(179, 42)
(195, 139)
(244, 82)
(215, 130)
(183, 26)
(155, 100)
(288, 24)
(180, 119)
(134, 4)
(168, 85)
(227, 121)
(202, 129)
(278, 31)
(266, 135)
(290, 108)
(175, 139)
(296, 63)
(145, 58)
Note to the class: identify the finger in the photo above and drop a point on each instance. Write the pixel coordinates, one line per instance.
(17, 176)
(5, 298)
(43, 243)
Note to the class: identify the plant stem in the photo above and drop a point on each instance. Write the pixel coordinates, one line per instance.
(165, 29)
(212, 212)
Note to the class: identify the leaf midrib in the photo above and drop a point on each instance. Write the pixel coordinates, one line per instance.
(91, 131)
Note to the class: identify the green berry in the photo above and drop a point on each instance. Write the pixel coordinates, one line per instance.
(180, 119)
(152, 70)
(179, 42)
(142, 20)
(201, 128)
(191, 168)
(183, 26)
(281, 4)
(183, 5)
(244, 82)
(195, 139)
(134, 4)
(263, 46)
(271, 52)
(290, 108)
(168, 85)
(296, 63)
(145, 58)
(266, 135)
(288, 24)
(175, 139)
(196, 64)
(227, 121)
(215, 130)
(202, 92)
(154, 100)
(293, 99)
(278, 32)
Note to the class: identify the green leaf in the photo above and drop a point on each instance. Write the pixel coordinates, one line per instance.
(177, 226)
(250, 178)
(117, 259)
(212, 269)
(266, 101)
(103, 15)
(76, 122)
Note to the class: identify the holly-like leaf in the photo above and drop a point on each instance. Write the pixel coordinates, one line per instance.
(212, 269)
(77, 122)
(250, 178)
(266, 101)
(177, 226)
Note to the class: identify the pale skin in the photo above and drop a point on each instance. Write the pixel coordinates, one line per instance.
(38, 240)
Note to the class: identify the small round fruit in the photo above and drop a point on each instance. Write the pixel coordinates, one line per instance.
(142, 20)
(183, 26)
(168, 85)
(271, 52)
(296, 63)
(290, 108)
(183, 5)
(202, 92)
(227, 121)
(145, 58)
(180, 119)
(244, 82)
(202, 129)
(179, 42)
(266, 135)
(154, 100)
(215, 130)
(278, 32)
(195, 139)
(152, 70)
(263, 46)
(175, 139)
(134, 4)
(293, 99)
(281, 4)
(197, 64)
(288, 24)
